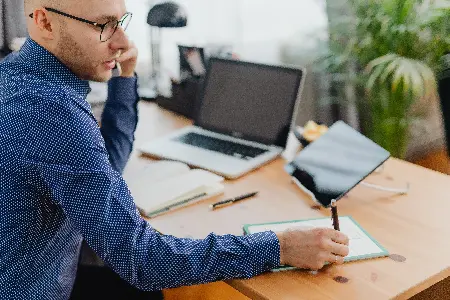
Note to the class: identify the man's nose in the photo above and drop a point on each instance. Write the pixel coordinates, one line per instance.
(119, 40)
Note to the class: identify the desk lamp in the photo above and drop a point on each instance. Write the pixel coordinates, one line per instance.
(162, 15)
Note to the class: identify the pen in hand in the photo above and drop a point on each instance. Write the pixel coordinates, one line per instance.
(232, 200)
(334, 215)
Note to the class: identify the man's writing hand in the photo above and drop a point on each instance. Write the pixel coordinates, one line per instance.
(312, 248)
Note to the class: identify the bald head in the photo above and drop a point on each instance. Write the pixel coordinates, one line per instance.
(76, 43)
(36, 7)
(31, 5)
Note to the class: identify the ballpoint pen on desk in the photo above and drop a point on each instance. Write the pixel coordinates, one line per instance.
(334, 215)
(232, 200)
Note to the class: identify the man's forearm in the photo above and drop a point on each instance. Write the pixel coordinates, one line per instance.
(119, 120)
(201, 261)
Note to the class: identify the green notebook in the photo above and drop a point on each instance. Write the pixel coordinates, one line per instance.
(362, 245)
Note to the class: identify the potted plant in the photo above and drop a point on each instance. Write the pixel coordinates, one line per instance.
(390, 56)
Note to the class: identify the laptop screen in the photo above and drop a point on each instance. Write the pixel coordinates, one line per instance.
(336, 162)
(250, 101)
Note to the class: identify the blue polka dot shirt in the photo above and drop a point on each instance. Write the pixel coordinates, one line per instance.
(60, 183)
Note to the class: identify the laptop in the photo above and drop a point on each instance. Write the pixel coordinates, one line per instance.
(242, 118)
(332, 165)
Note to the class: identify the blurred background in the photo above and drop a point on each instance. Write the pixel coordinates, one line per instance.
(376, 64)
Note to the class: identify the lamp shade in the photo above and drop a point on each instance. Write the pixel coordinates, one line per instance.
(167, 14)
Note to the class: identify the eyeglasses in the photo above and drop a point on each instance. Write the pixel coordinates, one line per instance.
(108, 28)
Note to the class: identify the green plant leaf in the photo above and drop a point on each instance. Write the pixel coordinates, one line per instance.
(373, 77)
(390, 68)
(428, 78)
(407, 82)
(380, 60)
(417, 84)
(398, 76)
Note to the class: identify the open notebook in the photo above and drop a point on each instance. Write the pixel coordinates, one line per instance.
(169, 185)
(362, 245)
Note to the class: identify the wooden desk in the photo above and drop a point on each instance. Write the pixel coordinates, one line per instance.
(413, 227)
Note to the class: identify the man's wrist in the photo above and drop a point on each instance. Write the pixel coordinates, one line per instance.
(282, 242)
(130, 75)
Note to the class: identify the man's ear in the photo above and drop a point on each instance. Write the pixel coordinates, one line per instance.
(44, 23)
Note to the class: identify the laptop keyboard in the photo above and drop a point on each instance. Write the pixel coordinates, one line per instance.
(226, 147)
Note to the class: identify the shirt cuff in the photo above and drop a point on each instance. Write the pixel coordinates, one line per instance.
(265, 250)
(123, 90)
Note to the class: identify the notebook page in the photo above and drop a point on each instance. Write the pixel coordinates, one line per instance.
(164, 169)
(165, 192)
(360, 243)
(188, 199)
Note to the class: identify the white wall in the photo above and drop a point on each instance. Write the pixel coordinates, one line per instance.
(255, 28)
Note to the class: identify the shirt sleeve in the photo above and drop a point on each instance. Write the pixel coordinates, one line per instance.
(119, 120)
(69, 159)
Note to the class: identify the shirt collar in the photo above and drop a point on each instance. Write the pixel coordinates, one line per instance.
(44, 62)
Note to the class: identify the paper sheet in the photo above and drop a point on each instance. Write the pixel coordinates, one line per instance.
(361, 245)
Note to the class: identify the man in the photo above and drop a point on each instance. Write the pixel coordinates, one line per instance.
(58, 186)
